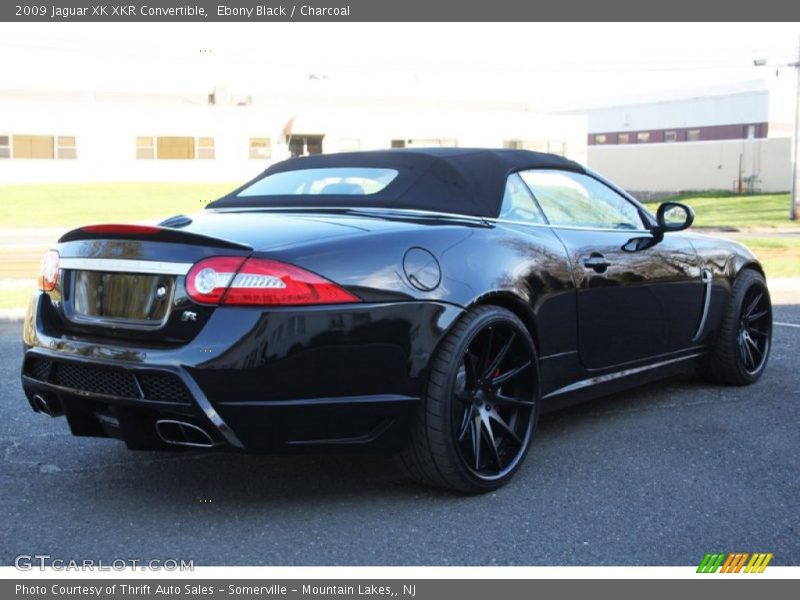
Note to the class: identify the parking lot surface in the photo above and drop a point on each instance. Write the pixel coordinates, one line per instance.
(655, 476)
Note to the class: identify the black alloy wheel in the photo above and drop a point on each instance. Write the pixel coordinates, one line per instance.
(495, 404)
(755, 326)
(478, 416)
(742, 347)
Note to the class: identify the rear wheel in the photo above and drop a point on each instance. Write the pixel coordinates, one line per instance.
(477, 417)
(742, 347)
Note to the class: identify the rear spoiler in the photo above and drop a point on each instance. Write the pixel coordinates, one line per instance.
(150, 233)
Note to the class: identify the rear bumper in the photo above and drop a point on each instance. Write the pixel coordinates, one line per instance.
(284, 380)
(125, 401)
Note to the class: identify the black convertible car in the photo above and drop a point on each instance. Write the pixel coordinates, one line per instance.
(431, 302)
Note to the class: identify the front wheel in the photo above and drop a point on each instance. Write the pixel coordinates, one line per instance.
(480, 407)
(742, 347)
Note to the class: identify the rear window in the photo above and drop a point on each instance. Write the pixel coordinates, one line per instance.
(355, 181)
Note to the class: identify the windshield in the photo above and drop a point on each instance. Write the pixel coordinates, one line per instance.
(356, 181)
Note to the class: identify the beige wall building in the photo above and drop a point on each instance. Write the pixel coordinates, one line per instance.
(109, 136)
(736, 137)
(655, 169)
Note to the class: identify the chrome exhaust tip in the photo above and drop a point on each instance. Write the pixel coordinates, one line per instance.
(181, 433)
(51, 408)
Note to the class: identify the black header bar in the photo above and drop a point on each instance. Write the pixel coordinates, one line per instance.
(398, 10)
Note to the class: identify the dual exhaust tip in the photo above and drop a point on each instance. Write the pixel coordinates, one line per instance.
(171, 431)
(181, 433)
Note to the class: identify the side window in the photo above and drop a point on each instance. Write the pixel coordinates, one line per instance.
(582, 201)
(518, 203)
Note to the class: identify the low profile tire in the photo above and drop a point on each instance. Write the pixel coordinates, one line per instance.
(477, 416)
(742, 348)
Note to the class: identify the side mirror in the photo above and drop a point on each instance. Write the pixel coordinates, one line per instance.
(674, 216)
(671, 216)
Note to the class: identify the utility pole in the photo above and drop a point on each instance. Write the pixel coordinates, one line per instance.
(794, 206)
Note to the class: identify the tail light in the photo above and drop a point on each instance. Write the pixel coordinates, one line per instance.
(260, 282)
(48, 274)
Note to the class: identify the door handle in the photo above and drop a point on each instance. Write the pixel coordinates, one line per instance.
(597, 262)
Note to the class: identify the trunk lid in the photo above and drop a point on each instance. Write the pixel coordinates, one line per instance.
(128, 282)
(234, 230)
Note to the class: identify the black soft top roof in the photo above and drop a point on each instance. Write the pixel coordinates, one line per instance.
(468, 181)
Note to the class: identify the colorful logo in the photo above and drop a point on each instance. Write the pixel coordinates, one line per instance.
(735, 562)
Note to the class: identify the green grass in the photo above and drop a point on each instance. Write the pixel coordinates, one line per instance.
(724, 209)
(779, 255)
(15, 298)
(781, 266)
(771, 243)
(71, 205)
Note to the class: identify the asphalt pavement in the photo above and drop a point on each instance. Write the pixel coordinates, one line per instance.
(657, 476)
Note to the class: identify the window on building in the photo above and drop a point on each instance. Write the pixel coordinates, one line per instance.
(33, 146)
(349, 144)
(174, 147)
(624, 138)
(600, 139)
(693, 135)
(670, 136)
(145, 148)
(426, 143)
(38, 146)
(260, 148)
(205, 147)
(643, 137)
(302, 144)
(534, 145)
(66, 147)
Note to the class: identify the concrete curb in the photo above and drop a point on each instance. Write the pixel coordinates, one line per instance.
(784, 284)
(12, 314)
